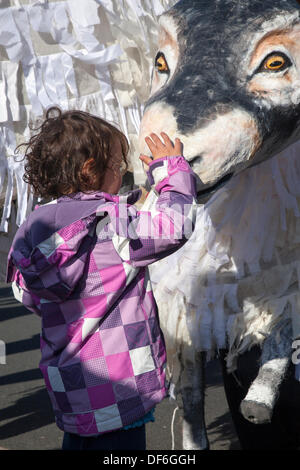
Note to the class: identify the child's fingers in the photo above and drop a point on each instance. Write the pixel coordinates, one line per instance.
(156, 140)
(166, 139)
(150, 144)
(165, 147)
(145, 159)
(178, 147)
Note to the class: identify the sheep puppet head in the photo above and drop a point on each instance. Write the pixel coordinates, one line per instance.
(226, 81)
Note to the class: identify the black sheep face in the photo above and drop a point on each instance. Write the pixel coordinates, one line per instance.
(226, 80)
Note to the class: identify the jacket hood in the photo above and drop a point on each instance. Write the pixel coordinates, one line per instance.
(51, 249)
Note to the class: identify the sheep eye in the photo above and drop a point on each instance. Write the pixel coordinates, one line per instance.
(275, 62)
(161, 63)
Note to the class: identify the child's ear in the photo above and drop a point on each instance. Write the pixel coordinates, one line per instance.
(87, 166)
(88, 173)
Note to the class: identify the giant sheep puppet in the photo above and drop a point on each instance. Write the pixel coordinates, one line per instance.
(226, 80)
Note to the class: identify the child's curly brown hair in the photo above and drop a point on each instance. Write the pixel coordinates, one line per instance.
(56, 155)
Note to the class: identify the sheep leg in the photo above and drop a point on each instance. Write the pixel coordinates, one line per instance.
(258, 405)
(194, 436)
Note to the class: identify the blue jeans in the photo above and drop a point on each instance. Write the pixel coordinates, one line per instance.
(130, 439)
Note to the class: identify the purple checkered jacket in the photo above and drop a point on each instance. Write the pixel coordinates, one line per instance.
(80, 263)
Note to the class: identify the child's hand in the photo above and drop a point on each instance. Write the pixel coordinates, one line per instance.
(161, 149)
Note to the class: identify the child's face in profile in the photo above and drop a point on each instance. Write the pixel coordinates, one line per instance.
(112, 181)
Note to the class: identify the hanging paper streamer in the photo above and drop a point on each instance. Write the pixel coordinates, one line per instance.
(95, 55)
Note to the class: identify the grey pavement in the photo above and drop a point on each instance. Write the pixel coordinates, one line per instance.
(26, 418)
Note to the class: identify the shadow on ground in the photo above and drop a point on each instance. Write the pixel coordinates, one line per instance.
(28, 413)
(221, 431)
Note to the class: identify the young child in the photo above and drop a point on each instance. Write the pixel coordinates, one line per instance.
(80, 263)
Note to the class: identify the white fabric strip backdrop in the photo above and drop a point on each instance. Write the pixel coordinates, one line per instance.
(93, 55)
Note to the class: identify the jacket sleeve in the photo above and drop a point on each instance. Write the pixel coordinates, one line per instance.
(21, 293)
(15, 277)
(165, 221)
